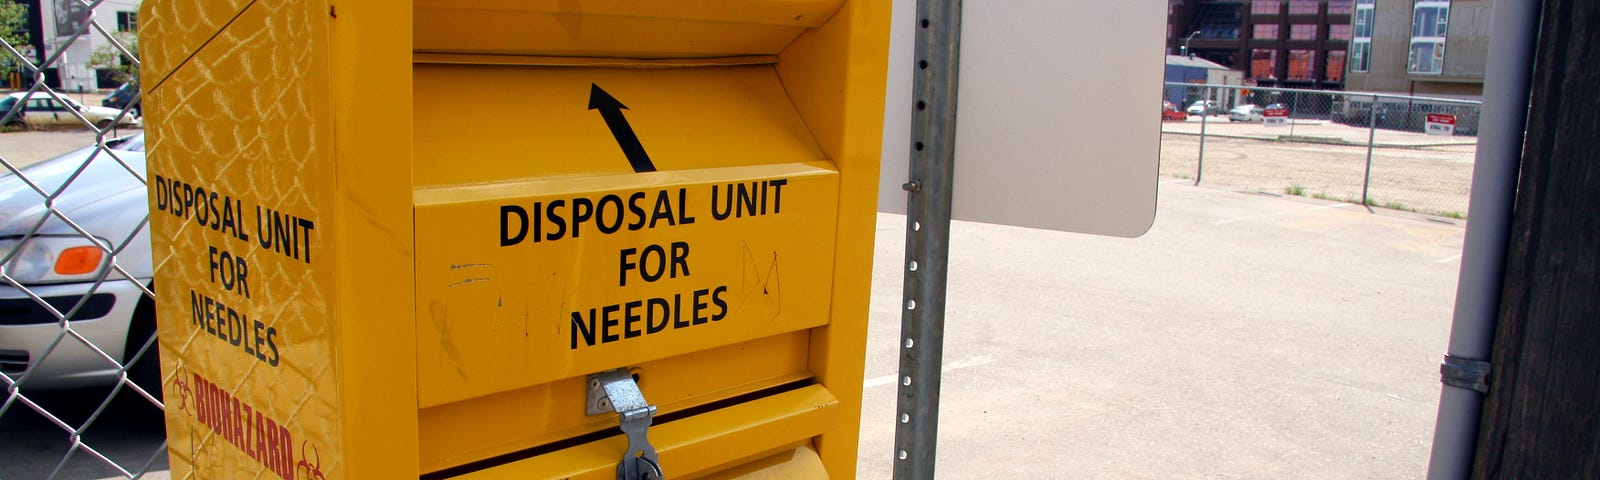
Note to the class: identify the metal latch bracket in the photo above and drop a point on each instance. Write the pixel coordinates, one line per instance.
(617, 391)
(1465, 373)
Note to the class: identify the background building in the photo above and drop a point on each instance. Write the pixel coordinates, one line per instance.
(1282, 43)
(1435, 48)
(51, 25)
(1196, 70)
(1421, 47)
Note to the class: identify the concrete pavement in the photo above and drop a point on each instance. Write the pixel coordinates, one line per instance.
(1245, 336)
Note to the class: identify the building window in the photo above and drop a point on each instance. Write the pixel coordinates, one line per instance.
(1338, 32)
(1361, 43)
(1302, 7)
(127, 21)
(1263, 63)
(1340, 7)
(1266, 32)
(1303, 32)
(1264, 7)
(1360, 51)
(1335, 66)
(1426, 57)
(1430, 19)
(1302, 65)
(1363, 19)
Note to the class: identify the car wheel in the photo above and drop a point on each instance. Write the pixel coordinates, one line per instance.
(15, 126)
(146, 370)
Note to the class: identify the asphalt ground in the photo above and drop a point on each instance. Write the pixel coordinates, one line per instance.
(1246, 335)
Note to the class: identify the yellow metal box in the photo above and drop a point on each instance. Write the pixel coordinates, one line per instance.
(398, 240)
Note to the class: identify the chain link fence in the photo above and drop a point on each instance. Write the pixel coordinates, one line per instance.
(1387, 151)
(78, 355)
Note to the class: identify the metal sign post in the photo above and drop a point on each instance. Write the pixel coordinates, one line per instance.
(928, 204)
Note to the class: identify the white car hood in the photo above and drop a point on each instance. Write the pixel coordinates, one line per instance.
(104, 197)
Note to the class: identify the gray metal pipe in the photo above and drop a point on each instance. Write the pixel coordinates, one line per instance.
(1494, 185)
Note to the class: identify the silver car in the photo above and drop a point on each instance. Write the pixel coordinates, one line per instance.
(1204, 107)
(64, 274)
(1245, 113)
(43, 110)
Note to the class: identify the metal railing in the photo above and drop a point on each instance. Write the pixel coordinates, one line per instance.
(1373, 149)
(80, 392)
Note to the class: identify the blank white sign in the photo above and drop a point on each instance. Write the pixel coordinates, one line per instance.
(1057, 123)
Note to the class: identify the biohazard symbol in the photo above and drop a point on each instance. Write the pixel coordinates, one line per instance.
(183, 395)
(312, 469)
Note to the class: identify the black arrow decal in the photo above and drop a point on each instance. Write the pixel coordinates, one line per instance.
(611, 110)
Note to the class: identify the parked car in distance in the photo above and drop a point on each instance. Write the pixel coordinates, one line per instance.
(1169, 111)
(119, 98)
(61, 266)
(42, 110)
(1204, 107)
(1245, 113)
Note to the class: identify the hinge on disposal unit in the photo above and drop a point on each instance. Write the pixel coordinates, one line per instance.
(616, 391)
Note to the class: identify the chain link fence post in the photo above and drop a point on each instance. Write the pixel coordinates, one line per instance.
(1372, 136)
(1294, 105)
(1200, 164)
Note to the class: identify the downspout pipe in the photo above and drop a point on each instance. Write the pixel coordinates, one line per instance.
(1503, 122)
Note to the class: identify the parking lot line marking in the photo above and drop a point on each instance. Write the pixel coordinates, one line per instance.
(948, 367)
(1448, 259)
(1279, 214)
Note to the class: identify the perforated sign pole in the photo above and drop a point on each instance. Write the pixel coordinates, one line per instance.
(928, 204)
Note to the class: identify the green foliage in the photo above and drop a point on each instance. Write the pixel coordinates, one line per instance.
(14, 30)
(108, 57)
(1295, 190)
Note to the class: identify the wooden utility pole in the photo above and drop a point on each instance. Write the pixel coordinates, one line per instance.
(1542, 416)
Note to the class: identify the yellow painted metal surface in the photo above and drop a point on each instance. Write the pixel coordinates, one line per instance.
(446, 216)
(698, 446)
(244, 262)
(281, 254)
(802, 463)
(617, 28)
(685, 119)
(503, 423)
(832, 75)
(601, 272)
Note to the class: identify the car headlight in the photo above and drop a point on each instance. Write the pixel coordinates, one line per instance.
(52, 259)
